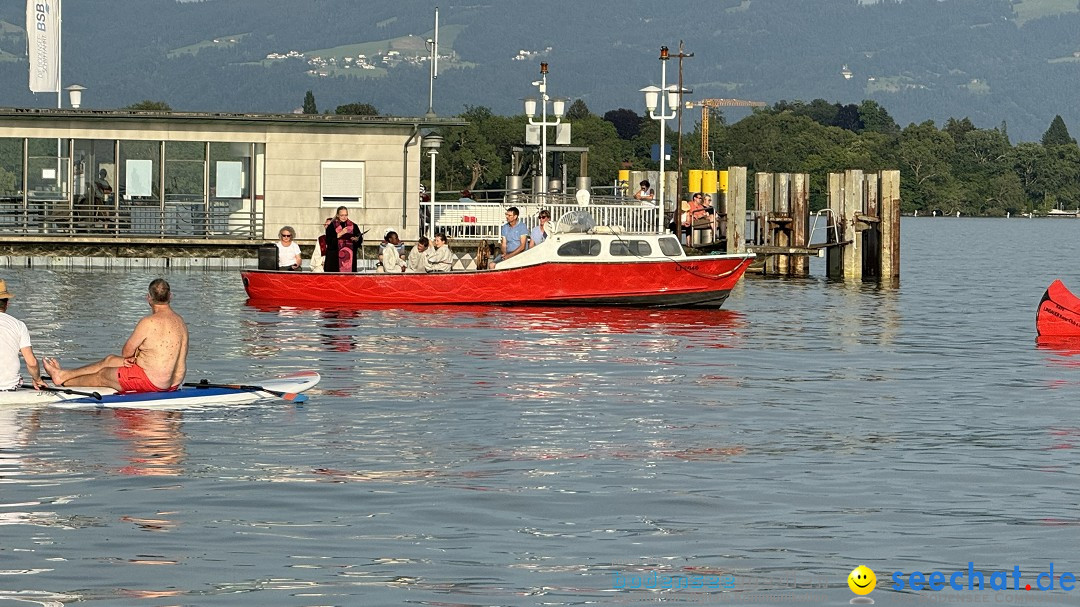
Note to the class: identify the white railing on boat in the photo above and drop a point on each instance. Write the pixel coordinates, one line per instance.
(472, 220)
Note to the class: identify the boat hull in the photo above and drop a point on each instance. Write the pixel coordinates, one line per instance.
(681, 282)
(1058, 313)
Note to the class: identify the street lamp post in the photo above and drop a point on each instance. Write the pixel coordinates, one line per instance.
(431, 143)
(653, 97)
(433, 67)
(558, 106)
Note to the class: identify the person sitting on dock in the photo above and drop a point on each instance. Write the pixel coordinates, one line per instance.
(417, 262)
(696, 214)
(440, 258)
(512, 237)
(154, 358)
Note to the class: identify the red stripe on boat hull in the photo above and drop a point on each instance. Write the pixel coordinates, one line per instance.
(693, 281)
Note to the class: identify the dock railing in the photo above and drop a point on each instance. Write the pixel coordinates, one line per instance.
(222, 219)
(482, 217)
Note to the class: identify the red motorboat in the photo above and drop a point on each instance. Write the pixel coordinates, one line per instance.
(568, 268)
(1059, 313)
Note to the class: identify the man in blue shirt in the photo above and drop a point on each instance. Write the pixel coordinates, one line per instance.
(513, 236)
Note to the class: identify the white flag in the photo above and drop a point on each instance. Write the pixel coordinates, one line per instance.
(43, 37)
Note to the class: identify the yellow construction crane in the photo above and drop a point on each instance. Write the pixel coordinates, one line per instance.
(705, 104)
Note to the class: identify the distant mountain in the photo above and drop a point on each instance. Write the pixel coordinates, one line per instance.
(995, 61)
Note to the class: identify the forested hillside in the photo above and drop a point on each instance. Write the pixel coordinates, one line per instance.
(921, 59)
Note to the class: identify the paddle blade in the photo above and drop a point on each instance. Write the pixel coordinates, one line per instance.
(294, 397)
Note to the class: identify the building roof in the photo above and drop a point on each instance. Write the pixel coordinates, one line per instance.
(210, 117)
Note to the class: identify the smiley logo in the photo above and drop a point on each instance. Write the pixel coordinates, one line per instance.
(861, 580)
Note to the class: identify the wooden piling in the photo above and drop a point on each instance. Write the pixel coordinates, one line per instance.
(735, 211)
(890, 227)
(834, 261)
(800, 222)
(764, 203)
(781, 220)
(869, 225)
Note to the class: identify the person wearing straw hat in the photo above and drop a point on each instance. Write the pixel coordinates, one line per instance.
(15, 340)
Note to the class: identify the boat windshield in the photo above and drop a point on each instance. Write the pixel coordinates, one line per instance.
(580, 248)
(670, 247)
(626, 248)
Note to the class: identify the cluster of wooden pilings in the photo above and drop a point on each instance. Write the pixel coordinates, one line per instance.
(861, 224)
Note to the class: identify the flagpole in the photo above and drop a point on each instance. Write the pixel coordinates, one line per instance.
(59, 56)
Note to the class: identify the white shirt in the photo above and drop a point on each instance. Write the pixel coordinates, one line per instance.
(286, 256)
(440, 259)
(418, 260)
(391, 259)
(13, 338)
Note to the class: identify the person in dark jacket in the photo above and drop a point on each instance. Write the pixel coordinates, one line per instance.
(343, 240)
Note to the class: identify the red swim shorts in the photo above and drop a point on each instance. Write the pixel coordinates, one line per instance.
(133, 379)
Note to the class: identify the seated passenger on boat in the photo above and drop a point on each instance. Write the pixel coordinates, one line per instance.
(390, 259)
(539, 233)
(318, 254)
(287, 250)
(513, 237)
(440, 257)
(417, 262)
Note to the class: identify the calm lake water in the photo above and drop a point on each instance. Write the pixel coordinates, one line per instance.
(530, 456)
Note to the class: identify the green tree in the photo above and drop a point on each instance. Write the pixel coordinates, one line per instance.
(356, 109)
(628, 123)
(925, 170)
(876, 120)
(1058, 133)
(958, 128)
(475, 156)
(606, 150)
(578, 110)
(158, 106)
(309, 103)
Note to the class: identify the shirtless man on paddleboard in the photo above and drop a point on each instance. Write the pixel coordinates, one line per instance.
(154, 359)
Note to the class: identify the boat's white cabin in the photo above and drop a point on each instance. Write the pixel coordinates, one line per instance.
(598, 245)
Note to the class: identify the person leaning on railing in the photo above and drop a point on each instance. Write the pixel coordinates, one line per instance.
(645, 194)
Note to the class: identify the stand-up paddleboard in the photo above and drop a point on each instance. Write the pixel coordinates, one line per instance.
(288, 387)
(1059, 313)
